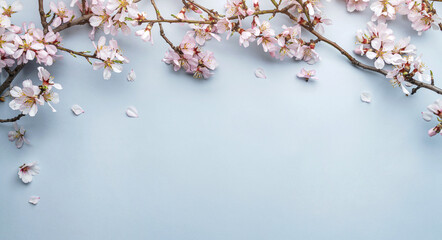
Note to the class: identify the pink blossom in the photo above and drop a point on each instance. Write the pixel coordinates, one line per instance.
(28, 171)
(203, 33)
(110, 57)
(63, 15)
(8, 10)
(145, 34)
(307, 74)
(358, 5)
(18, 135)
(26, 99)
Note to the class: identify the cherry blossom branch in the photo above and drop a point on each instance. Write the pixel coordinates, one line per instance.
(11, 75)
(44, 24)
(160, 18)
(360, 64)
(77, 21)
(210, 12)
(82, 54)
(14, 119)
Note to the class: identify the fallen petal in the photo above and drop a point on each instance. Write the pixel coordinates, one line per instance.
(34, 200)
(259, 73)
(366, 97)
(427, 116)
(131, 76)
(77, 109)
(132, 112)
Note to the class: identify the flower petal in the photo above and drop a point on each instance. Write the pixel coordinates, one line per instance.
(131, 76)
(132, 112)
(366, 97)
(77, 109)
(427, 116)
(259, 73)
(34, 200)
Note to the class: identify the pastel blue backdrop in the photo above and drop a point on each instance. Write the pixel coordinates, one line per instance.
(232, 157)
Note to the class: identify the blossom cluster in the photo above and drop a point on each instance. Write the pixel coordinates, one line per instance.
(192, 58)
(112, 15)
(378, 43)
(29, 97)
(420, 13)
(18, 45)
(109, 57)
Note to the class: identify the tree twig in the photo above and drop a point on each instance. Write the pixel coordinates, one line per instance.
(14, 119)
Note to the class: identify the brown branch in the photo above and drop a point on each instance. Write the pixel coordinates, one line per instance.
(14, 119)
(41, 10)
(82, 54)
(77, 21)
(12, 75)
(160, 18)
(209, 12)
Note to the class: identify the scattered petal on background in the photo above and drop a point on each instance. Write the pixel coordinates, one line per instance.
(131, 76)
(77, 109)
(132, 112)
(34, 200)
(259, 73)
(366, 97)
(408, 84)
(427, 116)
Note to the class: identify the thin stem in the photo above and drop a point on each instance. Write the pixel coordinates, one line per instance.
(14, 119)
(162, 33)
(75, 53)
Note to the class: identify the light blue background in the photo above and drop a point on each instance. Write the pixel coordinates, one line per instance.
(232, 157)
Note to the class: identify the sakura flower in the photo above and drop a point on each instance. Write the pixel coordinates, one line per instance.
(268, 41)
(403, 46)
(385, 9)
(433, 131)
(26, 99)
(63, 15)
(383, 53)
(28, 171)
(422, 21)
(203, 33)
(145, 34)
(121, 5)
(34, 200)
(307, 74)
(132, 112)
(46, 78)
(8, 10)
(308, 54)
(224, 25)
(436, 108)
(18, 136)
(235, 8)
(131, 76)
(77, 110)
(110, 57)
(246, 36)
(358, 5)
(27, 48)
